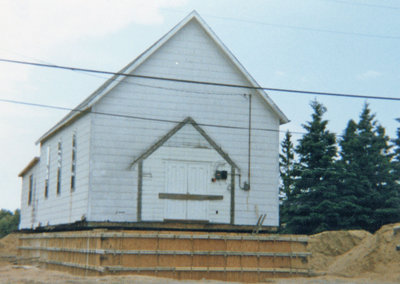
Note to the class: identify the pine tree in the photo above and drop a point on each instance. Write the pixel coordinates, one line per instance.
(368, 194)
(316, 150)
(311, 208)
(286, 163)
(396, 157)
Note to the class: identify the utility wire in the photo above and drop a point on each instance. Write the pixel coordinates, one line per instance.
(127, 82)
(365, 4)
(138, 117)
(301, 28)
(199, 82)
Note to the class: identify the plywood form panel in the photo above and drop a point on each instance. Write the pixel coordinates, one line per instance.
(174, 260)
(139, 260)
(141, 244)
(210, 264)
(175, 244)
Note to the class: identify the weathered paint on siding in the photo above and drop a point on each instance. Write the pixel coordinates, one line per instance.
(28, 211)
(67, 207)
(190, 54)
(106, 187)
(154, 181)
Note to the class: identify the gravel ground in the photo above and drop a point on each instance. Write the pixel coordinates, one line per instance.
(32, 274)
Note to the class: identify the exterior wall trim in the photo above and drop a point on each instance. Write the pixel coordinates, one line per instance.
(174, 130)
(30, 166)
(139, 191)
(164, 139)
(198, 197)
(233, 175)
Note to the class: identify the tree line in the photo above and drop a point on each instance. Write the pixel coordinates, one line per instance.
(8, 221)
(346, 182)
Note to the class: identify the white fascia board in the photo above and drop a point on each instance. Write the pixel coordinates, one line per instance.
(114, 80)
(194, 15)
(145, 55)
(282, 117)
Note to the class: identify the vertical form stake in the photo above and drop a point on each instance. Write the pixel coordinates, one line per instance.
(139, 196)
(249, 157)
(233, 174)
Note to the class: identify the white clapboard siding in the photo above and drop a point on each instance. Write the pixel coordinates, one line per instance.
(190, 55)
(28, 211)
(106, 181)
(67, 207)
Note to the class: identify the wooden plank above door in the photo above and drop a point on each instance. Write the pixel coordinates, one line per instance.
(199, 197)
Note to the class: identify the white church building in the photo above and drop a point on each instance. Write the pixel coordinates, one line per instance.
(144, 152)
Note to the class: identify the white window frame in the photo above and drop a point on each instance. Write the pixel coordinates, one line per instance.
(47, 177)
(73, 163)
(59, 166)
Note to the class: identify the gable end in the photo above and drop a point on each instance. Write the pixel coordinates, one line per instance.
(132, 66)
(173, 131)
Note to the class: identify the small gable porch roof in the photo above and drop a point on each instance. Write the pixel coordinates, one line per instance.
(173, 131)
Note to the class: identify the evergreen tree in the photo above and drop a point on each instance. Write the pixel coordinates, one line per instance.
(396, 158)
(368, 194)
(286, 163)
(311, 207)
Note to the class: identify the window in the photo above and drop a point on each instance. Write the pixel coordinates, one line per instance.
(46, 181)
(73, 164)
(30, 189)
(59, 161)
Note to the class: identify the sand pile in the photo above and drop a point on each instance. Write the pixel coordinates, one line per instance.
(8, 245)
(376, 254)
(326, 247)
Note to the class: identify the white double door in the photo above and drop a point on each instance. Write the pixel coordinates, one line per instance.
(183, 180)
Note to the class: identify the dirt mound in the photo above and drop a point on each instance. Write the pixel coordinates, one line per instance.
(8, 245)
(327, 246)
(376, 254)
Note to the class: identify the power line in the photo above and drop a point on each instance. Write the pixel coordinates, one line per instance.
(199, 82)
(169, 88)
(150, 119)
(302, 28)
(365, 4)
(138, 117)
(127, 82)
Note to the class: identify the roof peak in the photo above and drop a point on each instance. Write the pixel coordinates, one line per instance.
(112, 82)
(194, 13)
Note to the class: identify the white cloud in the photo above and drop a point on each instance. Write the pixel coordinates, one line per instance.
(42, 24)
(30, 29)
(279, 73)
(370, 74)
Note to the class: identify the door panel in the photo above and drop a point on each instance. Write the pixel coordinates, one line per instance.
(186, 178)
(176, 182)
(197, 184)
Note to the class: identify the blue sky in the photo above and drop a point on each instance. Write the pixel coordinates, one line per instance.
(346, 46)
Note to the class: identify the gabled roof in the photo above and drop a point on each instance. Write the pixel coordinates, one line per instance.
(173, 131)
(29, 166)
(115, 80)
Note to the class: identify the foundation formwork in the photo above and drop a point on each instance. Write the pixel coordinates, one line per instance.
(180, 255)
